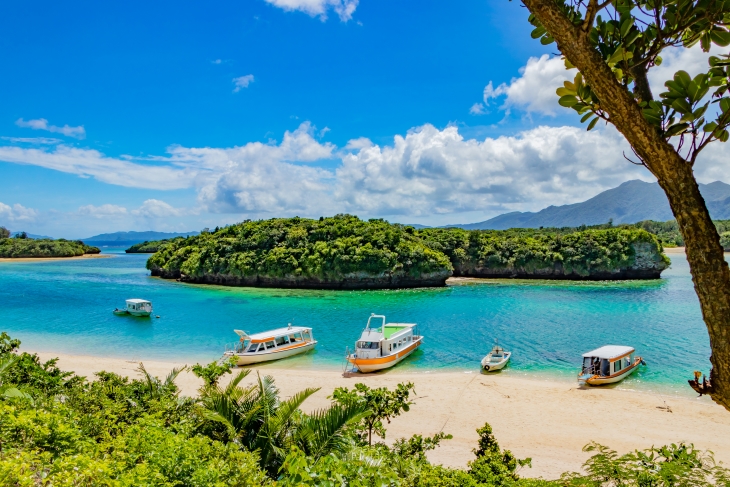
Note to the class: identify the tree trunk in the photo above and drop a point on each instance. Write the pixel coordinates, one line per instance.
(710, 273)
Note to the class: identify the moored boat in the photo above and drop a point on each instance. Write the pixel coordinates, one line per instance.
(385, 346)
(608, 364)
(271, 345)
(496, 359)
(135, 307)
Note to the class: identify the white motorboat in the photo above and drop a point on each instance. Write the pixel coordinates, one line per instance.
(496, 359)
(135, 307)
(608, 365)
(270, 345)
(383, 347)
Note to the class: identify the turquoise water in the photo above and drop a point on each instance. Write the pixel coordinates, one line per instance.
(65, 306)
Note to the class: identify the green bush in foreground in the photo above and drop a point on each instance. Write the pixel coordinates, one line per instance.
(58, 429)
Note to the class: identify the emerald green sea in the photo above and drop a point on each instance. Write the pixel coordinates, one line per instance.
(66, 306)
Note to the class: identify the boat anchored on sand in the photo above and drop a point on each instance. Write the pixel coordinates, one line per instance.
(135, 307)
(496, 359)
(608, 365)
(270, 345)
(383, 347)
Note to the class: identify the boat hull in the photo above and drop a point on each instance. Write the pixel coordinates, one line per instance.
(140, 314)
(495, 366)
(613, 379)
(269, 355)
(366, 365)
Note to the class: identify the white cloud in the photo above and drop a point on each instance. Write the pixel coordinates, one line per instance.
(534, 90)
(153, 208)
(426, 172)
(431, 171)
(242, 82)
(42, 124)
(33, 140)
(17, 213)
(91, 163)
(102, 212)
(318, 8)
(217, 61)
(478, 109)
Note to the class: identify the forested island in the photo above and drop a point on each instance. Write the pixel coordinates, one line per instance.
(147, 247)
(344, 252)
(20, 246)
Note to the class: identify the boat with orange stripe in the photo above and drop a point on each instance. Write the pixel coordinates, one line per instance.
(270, 345)
(608, 365)
(381, 347)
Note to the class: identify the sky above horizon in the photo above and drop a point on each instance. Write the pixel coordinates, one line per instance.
(175, 116)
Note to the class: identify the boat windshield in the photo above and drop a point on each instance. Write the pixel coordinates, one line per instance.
(253, 347)
(368, 345)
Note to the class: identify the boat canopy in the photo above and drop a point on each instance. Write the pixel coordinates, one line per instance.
(266, 336)
(610, 352)
(138, 301)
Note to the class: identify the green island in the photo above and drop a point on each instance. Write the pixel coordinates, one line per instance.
(148, 247)
(21, 246)
(60, 429)
(345, 252)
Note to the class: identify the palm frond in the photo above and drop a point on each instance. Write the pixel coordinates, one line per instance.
(235, 381)
(170, 379)
(325, 429)
(5, 364)
(149, 379)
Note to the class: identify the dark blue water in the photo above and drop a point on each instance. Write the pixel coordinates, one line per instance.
(65, 306)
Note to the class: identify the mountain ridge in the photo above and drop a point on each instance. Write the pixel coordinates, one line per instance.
(630, 202)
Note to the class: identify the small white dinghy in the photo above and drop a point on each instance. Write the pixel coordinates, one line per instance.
(496, 359)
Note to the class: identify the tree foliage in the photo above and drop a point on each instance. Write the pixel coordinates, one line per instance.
(27, 247)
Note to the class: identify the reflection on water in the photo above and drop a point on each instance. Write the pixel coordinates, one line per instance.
(65, 306)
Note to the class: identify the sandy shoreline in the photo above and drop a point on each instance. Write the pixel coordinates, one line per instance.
(549, 421)
(48, 259)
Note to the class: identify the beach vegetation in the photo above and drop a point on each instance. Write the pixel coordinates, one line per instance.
(57, 428)
(614, 46)
(19, 247)
(149, 247)
(4, 233)
(383, 405)
(213, 371)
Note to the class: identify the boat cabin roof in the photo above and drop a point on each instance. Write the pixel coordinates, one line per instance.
(137, 301)
(610, 352)
(266, 336)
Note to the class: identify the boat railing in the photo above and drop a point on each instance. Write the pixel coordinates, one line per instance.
(234, 347)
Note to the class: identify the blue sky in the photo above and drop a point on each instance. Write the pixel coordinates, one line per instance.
(178, 115)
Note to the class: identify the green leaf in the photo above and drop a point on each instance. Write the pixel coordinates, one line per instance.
(676, 129)
(710, 127)
(586, 117)
(723, 136)
(720, 37)
(546, 40)
(626, 26)
(568, 100)
(682, 78)
(592, 124)
(564, 92)
(682, 106)
(538, 32)
(658, 61)
(724, 104)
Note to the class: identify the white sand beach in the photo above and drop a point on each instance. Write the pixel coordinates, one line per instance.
(547, 420)
(48, 259)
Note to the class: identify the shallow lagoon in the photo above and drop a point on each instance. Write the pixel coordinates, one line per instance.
(65, 306)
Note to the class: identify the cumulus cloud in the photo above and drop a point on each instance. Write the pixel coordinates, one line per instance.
(319, 8)
(17, 213)
(424, 172)
(242, 82)
(102, 212)
(534, 90)
(33, 140)
(438, 171)
(153, 208)
(42, 124)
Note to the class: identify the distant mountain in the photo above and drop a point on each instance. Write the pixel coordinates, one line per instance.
(631, 202)
(130, 238)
